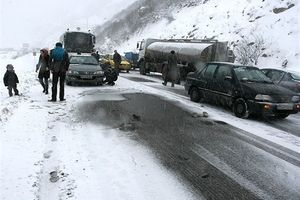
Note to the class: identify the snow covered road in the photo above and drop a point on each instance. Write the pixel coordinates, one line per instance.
(59, 151)
(86, 161)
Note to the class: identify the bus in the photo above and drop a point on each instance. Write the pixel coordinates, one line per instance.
(78, 42)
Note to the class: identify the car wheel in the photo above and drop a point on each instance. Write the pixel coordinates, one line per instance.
(281, 116)
(240, 108)
(195, 95)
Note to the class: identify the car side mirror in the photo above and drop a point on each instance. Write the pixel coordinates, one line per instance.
(228, 78)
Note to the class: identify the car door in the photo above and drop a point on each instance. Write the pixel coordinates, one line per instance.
(223, 85)
(290, 83)
(208, 79)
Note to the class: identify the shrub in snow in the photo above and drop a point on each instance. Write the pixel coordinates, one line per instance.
(249, 49)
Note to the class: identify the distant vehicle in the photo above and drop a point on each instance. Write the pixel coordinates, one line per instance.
(84, 69)
(78, 42)
(132, 58)
(153, 54)
(107, 61)
(287, 79)
(245, 89)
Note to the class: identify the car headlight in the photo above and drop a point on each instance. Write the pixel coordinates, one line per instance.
(99, 72)
(73, 72)
(262, 97)
(295, 99)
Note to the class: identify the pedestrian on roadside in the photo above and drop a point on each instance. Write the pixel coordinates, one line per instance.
(117, 61)
(43, 68)
(170, 71)
(59, 65)
(10, 80)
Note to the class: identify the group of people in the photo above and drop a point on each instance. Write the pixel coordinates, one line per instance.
(57, 62)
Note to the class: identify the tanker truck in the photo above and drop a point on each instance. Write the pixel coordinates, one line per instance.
(191, 54)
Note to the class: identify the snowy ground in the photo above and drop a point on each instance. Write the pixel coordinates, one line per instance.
(92, 160)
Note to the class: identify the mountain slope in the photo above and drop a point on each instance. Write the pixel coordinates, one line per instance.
(275, 22)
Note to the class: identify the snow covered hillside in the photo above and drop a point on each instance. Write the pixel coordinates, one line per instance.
(274, 22)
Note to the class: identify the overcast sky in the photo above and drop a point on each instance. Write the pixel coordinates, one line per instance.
(35, 21)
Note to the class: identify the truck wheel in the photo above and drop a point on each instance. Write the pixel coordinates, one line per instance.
(195, 95)
(240, 108)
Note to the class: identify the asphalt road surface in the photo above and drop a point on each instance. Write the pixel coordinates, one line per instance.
(217, 160)
(291, 124)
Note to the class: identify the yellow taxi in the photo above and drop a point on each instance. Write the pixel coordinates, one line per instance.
(108, 60)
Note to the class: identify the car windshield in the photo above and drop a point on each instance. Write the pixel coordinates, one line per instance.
(86, 60)
(251, 74)
(295, 76)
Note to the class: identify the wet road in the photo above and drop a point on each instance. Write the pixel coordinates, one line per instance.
(290, 124)
(216, 159)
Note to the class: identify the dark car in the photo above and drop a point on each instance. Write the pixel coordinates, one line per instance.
(287, 79)
(84, 69)
(245, 89)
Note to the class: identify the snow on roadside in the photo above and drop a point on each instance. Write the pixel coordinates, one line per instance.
(89, 161)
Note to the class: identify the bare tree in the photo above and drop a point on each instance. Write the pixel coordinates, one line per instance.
(249, 49)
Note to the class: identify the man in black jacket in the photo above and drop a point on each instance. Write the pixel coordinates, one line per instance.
(59, 65)
(117, 60)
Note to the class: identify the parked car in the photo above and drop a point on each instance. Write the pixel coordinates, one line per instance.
(245, 89)
(84, 69)
(287, 79)
(107, 61)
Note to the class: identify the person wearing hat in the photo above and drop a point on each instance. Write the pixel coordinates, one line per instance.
(43, 68)
(10, 80)
(59, 65)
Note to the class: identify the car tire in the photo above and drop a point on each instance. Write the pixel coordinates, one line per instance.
(240, 108)
(195, 95)
(281, 116)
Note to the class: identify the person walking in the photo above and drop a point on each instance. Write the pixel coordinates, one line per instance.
(10, 80)
(170, 71)
(43, 68)
(117, 60)
(59, 65)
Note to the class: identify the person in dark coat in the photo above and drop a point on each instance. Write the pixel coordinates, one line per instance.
(59, 65)
(43, 66)
(171, 71)
(111, 76)
(117, 60)
(10, 80)
(96, 55)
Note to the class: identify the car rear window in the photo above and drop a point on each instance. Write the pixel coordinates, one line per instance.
(86, 60)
